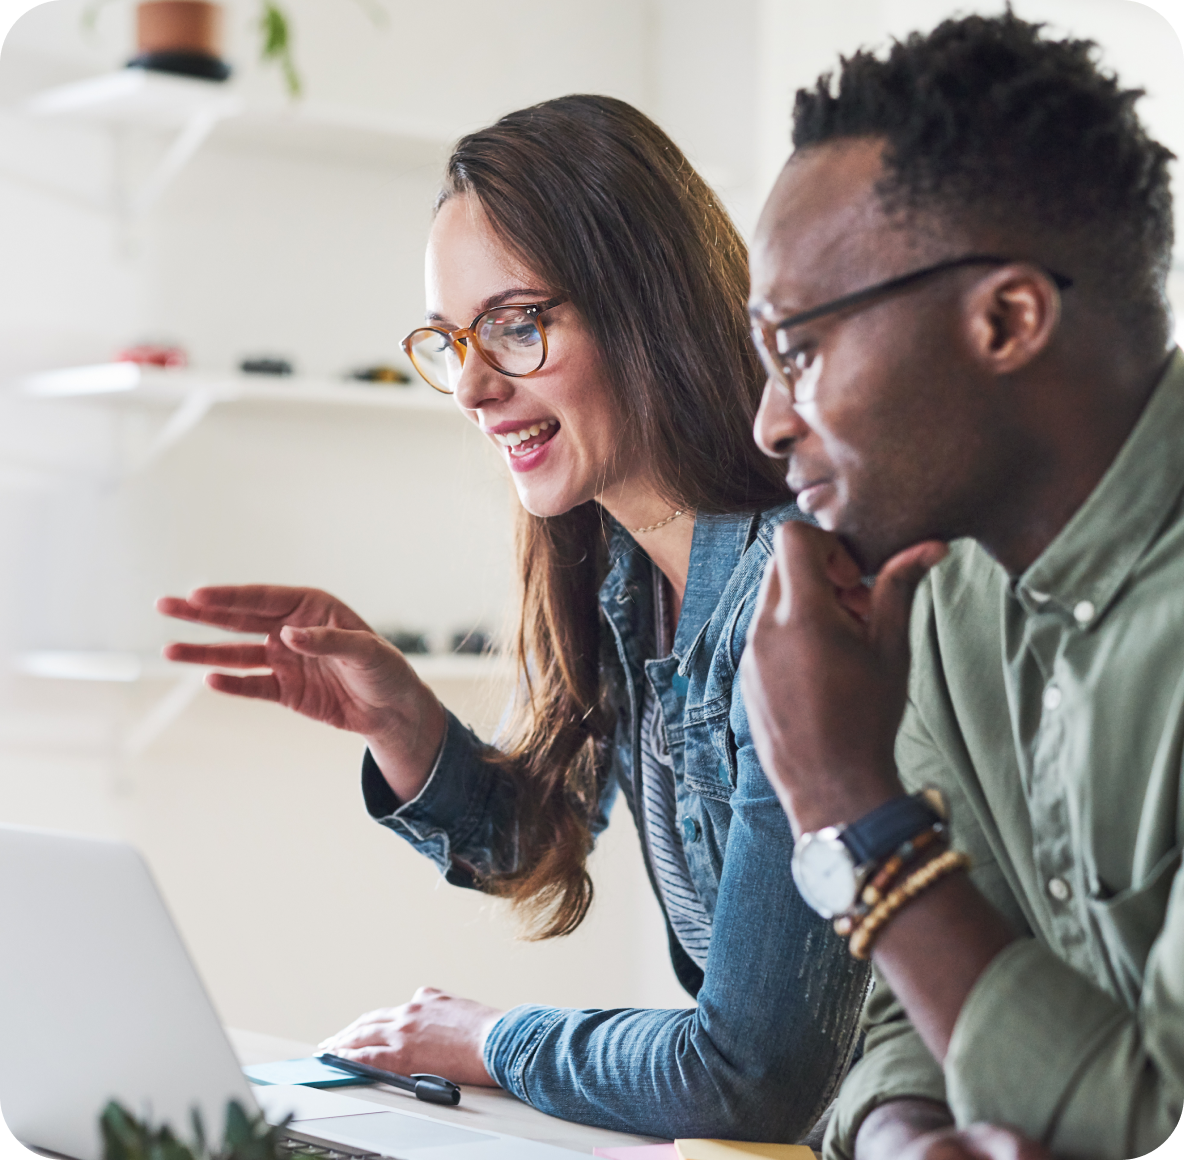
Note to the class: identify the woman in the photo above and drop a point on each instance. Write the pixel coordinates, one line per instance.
(608, 359)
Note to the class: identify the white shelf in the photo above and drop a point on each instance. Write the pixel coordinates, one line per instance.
(131, 383)
(186, 397)
(139, 98)
(129, 667)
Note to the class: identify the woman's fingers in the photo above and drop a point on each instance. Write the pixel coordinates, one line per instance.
(362, 647)
(381, 1015)
(181, 609)
(364, 1035)
(226, 656)
(274, 601)
(263, 687)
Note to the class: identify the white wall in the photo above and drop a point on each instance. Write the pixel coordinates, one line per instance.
(299, 910)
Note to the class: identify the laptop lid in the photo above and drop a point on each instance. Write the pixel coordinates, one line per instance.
(99, 999)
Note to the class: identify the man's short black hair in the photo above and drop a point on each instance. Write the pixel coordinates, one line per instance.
(987, 122)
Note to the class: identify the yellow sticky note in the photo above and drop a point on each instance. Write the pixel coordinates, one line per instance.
(737, 1149)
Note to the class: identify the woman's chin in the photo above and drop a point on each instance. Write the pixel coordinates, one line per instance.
(545, 502)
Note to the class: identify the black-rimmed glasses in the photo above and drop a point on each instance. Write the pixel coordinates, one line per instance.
(779, 355)
(510, 338)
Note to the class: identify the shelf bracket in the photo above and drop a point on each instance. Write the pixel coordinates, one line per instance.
(152, 724)
(178, 425)
(182, 150)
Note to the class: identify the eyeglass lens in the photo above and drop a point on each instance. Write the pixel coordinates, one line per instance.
(778, 365)
(509, 338)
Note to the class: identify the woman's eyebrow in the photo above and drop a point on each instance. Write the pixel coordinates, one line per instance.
(497, 300)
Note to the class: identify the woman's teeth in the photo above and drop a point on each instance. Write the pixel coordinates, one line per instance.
(515, 438)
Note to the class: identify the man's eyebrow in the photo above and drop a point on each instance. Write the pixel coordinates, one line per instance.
(499, 299)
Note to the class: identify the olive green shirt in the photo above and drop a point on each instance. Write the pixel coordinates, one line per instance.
(1050, 710)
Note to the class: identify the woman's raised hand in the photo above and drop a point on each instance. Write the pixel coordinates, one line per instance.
(325, 662)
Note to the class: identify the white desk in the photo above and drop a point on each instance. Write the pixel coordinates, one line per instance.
(480, 1107)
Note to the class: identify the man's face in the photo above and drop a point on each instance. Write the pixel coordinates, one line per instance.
(886, 432)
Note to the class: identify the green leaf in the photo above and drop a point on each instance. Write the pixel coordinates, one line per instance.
(277, 45)
(199, 1132)
(245, 1137)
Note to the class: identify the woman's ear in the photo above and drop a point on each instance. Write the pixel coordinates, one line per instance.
(1011, 316)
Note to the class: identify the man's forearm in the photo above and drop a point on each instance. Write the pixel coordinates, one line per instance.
(934, 951)
(890, 1128)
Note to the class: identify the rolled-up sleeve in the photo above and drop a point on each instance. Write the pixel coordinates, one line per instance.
(1038, 1045)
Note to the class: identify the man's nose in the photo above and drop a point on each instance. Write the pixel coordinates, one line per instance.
(777, 423)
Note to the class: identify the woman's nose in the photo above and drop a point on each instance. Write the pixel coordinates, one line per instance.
(777, 422)
(479, 384)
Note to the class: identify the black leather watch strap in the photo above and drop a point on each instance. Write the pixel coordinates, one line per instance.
(878, 834)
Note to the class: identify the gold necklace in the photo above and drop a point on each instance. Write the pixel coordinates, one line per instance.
(659, 524)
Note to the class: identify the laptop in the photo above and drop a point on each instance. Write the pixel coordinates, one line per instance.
(99, 1000)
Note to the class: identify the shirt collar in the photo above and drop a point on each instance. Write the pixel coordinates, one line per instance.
(1081, 572)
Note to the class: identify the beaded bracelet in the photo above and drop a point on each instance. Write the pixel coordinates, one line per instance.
(916, 883)
(904, 857)
(907, 855)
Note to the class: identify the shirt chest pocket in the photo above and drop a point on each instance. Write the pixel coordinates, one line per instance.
(1129, 922)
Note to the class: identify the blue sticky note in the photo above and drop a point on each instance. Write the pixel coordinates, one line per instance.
(311, 1072)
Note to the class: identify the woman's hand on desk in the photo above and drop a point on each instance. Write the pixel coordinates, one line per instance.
(326, 663)
(435, 1033)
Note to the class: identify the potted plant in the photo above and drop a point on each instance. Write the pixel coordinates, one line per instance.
(180, 36)
(245, 1138)
(185, 37)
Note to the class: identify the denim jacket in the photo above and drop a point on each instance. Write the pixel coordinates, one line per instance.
(761, 1055)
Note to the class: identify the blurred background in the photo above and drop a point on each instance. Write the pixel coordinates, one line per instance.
(228, 224)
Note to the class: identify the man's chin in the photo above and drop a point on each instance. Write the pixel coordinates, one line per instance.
(869, 551)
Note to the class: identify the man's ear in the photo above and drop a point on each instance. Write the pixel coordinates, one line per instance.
(1011, 316)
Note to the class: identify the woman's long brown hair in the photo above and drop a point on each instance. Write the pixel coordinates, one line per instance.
(598, 202)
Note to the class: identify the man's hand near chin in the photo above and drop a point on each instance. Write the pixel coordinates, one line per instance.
(921, 1130)
(825, 674)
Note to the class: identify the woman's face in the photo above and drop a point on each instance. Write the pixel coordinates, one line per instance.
(572, 447)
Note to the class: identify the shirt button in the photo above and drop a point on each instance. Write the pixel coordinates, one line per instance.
(1060, 889)
(1052, 697)
(690, 830)
(1083, 611)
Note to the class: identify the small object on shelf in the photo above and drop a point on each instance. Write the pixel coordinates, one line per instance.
(183, 37)
(411, 643)
(265, 366)
(152, 354)
(473, 643)
(382, 373)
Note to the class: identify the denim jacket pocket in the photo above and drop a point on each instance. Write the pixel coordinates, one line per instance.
(1129, 922)
(710, 748)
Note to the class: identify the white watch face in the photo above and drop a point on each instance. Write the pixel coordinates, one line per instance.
(825, 873)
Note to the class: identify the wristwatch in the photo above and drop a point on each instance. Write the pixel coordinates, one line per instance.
(831, 865)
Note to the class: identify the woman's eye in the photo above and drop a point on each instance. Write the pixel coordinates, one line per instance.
(518, 333)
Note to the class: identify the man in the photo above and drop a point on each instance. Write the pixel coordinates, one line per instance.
(1016, 392)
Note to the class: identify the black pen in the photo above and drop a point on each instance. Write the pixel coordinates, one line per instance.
(433, 1089)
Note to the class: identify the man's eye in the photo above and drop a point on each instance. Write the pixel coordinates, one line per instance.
(798, 360)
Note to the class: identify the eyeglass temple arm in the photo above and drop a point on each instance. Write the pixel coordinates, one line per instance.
(1061, 281)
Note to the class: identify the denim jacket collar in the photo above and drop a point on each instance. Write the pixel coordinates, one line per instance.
(716, 548)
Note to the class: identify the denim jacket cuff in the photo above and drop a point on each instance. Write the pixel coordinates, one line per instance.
(447, 810)
(512, 1042)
